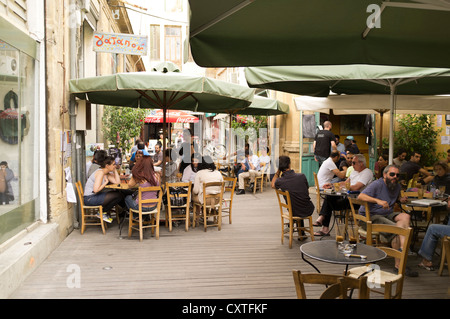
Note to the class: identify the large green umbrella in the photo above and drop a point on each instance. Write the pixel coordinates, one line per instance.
(171, 90)
(305, 32)
(353, 79)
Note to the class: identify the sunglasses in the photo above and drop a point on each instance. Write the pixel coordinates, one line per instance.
(355, 162)
(394, 174)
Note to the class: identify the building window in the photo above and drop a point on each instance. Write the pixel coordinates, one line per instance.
(172, 38)
(19, 141)
(155, 42)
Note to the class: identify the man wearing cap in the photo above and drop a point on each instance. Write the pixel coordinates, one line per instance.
(352, 145)
(322, 142)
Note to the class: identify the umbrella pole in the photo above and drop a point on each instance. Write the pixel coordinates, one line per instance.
(391, 120)
(163, 177)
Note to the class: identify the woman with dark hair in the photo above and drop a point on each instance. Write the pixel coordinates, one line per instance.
(206, 173)
(94, 193)
(191, 170)
(144, 175)
(442, 177)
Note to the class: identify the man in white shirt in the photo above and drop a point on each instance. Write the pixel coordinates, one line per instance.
(265, 158)
(328, 170)
(251, 163)
(358, 180)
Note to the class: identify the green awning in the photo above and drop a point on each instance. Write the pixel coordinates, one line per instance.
(163, 90)
(303, 32)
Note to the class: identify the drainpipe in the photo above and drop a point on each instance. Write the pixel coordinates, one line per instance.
(72, 113)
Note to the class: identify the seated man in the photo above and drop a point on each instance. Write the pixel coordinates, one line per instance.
(412, 167)
(328, 170)
(382, 195)
(346, 166)
(400, 159)
(358, 180)
(251, 162)
(297, 186)
(434, 233)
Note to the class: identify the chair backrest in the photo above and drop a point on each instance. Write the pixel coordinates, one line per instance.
(286, 204)
(218, 197)
(340, 285)
(230, 185)
(157, 200)
(391, 229)
(316, 183)
(80, 193)
(183, 185)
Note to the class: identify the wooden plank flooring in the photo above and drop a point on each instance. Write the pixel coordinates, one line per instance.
(245, 260)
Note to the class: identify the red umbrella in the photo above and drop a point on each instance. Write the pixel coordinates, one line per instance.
(172, 116)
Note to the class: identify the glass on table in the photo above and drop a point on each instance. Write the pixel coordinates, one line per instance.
(353, 235)
(441, 191)
(340, 236)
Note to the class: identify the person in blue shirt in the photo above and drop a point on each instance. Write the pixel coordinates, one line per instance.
(382, 194)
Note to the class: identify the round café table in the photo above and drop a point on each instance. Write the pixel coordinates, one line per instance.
(327, 251)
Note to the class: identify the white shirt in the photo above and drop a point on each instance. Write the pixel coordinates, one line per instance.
(255, 161)
(365, 177)
(266, 160)
(188, 175)
(206, 176)
(325, 174)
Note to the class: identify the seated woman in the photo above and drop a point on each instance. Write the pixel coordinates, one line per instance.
(191, 170)
(171, 166)
(442, 177)
(94, 191)
(206, 173)
(380, 165)
(144, 175)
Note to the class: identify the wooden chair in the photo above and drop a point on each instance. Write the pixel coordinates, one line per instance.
(340, 286)
(284, 200)
(180, 212)
(90, 215)
(211, 207)
(316, 183)
(227, 205)
(261, 179)
(383, 278)
(445, 255)
(359, 219)
(137, 222)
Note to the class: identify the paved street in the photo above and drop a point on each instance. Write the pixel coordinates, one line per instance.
(243, 260)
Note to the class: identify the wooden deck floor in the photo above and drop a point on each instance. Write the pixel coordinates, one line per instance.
(245, 260)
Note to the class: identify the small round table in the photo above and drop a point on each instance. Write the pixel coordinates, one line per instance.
(327, 251)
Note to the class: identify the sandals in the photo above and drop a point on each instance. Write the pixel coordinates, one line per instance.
(321, 233)
(317, 224)
(429, 268)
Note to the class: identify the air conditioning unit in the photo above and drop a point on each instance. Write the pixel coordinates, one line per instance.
(9, 66)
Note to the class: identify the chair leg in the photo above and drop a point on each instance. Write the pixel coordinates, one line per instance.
(291, 232)
(141, 230)
(130, 223)
(282, 231)
(102, 222)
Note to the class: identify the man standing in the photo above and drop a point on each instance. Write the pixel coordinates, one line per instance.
(412, 167)
(251, 162)
(297, 186)
(158, 157)
(358, 180)
(382, 195)
(323, 143)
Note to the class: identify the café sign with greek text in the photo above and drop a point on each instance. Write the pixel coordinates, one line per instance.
(120, 43)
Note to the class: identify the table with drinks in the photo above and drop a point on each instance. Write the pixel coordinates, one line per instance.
(342, 251)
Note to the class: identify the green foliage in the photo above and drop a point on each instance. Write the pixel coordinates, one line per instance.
(418, 133)
(253, 125)
(122, 124)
